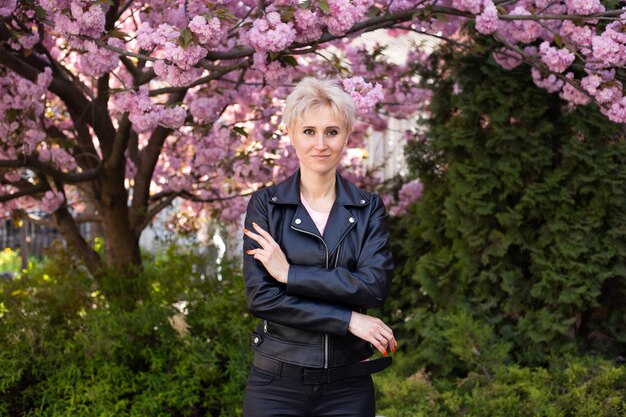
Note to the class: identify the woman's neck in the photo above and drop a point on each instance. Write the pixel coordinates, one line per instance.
(314, 186)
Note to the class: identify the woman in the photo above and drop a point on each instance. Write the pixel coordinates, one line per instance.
(316, 257)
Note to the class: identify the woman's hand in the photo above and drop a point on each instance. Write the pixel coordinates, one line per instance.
(373, 330)
(270, 254)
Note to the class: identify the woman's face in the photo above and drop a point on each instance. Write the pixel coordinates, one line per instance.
(319, 138)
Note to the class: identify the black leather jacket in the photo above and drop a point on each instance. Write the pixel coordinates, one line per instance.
(305, 322)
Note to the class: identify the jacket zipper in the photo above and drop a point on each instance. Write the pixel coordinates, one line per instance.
(326, 260)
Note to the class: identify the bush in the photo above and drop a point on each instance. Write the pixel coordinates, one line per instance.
(520, 227)
(571, 387)
(67, 352)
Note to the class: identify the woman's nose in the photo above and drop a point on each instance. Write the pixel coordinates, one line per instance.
(320, 143)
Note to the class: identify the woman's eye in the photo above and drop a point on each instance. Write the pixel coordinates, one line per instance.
(332, 132)
(309, 132)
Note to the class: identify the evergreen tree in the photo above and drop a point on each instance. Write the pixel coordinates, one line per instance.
(516, 249)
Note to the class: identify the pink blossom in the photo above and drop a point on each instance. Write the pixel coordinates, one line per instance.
(408, 194)
(584, 7)
(175, 75)
(365, 95)
(309, 25)
(51, 201)
(557, 60)
(523, 30)
(172, 117)
(270, 34)
(617, 111)
(13, 176)
(603, 91)
(208, 109)
(345, 13)
(29, 41)
(90, 21)
(7, 7)
(277, 74)
(507, 58)
(580, 34)
(487, 22)
(472, 6)
(97, 61)
(550, 82)
(573, 94)
(210, 32)
(609, 49)
(147, 37)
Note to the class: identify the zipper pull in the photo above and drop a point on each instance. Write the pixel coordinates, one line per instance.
(265, 326)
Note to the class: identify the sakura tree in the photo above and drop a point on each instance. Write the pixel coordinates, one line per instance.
(111, 110)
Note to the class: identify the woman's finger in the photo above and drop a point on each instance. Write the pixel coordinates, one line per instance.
(258, 238)
(270, 240)
(265, 235)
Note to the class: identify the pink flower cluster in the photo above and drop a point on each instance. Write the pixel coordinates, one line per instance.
(269, 33)
(507, 58)
(549, 82)
(147, 115)
(572, 94)
(7, 7)
(523, 30)
(584, 7)
(309, 25)
(57, 157)
(209, 31)
(78, 17)
(488, 22)
(51, 201)
(408, 194)
(345, 13)
(97, 61)
(164, 38)
(472, 6)
(609, 48)
(365, 95)
(557, 60)
(579, 34)
(21, 107)
(603, 87)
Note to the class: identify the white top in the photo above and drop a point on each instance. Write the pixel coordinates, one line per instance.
(319, 218)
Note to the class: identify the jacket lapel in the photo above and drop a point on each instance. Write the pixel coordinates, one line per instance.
(340, 220)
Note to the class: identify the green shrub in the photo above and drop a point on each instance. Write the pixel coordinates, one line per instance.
(521, 224)
(67, 352)
(571, 387)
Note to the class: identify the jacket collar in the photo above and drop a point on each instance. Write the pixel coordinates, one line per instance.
(340, 220)
(347, 194)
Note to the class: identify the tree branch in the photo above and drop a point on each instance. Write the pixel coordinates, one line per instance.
(41, 187)
(35, 164)
(153, 211)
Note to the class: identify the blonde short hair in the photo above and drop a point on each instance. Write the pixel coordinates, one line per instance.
(312, 93)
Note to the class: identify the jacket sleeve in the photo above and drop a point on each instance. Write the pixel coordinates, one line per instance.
(366, 286)
(268, 299)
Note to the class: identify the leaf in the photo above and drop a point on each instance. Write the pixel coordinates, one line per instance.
(288, 16)
(289, 60)
(373, 12)
(240, 130)
(186, 37)
(116, 33)
(323, 5)
(40, 13)
(558, 40)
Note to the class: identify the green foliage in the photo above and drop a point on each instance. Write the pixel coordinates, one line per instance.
(520, 230)
(571, 387)
(182, 351)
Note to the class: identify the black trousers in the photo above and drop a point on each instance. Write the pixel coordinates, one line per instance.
(269, 395)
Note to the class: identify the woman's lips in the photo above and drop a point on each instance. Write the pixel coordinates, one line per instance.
(320, 156)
